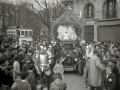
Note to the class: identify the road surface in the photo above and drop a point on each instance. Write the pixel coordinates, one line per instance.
(74, 81)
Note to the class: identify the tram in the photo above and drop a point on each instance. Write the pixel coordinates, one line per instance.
(21, 34)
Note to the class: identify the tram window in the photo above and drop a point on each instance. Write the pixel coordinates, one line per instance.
(22, 32)
(13, 35)
(26, 33)
(30, 33)
(18, 33)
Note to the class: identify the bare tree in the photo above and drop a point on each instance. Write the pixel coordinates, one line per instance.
(47, 11)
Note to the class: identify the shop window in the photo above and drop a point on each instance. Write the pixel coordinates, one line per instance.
(89, 11)
(109, 9)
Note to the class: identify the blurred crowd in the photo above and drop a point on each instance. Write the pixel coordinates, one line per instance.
(20, 66)
(99, 63)
(102, 66)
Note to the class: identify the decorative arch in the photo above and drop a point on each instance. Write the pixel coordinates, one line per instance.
(67, 18)
(76, 25)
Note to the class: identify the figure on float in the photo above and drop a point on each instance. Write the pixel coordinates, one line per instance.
(73, 33)
(66, 36)
(73, 36)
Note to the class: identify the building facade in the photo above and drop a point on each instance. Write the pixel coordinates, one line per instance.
(99, 20)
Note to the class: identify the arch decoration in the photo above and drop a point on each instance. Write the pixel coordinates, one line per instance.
(67, 19)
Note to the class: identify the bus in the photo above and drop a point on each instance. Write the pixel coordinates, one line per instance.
(21, 34)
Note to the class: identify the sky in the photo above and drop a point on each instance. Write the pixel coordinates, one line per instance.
(12, 1)
(19, 1)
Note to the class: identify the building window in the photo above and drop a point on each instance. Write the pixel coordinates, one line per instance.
(89, 11)
(110, 9)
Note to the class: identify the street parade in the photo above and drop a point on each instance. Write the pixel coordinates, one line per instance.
(59, 44)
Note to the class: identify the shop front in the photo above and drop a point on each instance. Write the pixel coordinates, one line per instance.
(109, 30)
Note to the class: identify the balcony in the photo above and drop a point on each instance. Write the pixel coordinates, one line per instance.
(110, 14)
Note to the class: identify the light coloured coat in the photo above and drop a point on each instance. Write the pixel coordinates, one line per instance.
(95, 71)
(58, 68)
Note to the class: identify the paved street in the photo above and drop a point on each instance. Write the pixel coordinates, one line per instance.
(74, 81)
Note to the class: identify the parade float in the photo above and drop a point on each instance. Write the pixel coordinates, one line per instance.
(67, 32)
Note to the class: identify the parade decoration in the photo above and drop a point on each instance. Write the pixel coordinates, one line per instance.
(67, 19)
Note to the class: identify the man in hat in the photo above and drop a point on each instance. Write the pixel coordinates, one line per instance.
(95, 71)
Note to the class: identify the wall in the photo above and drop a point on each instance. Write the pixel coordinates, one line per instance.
(78, 8)
(98, 5)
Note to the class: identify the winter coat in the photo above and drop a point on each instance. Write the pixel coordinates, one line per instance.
(59, 69)
(95, 71)
(109, 82)
(31, 79)
(46, 81)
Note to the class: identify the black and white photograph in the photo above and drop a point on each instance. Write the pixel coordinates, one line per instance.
(59, 44)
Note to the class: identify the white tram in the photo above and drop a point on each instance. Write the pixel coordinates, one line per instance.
(21, 34)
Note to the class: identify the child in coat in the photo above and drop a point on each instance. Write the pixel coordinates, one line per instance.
(17, 81)
(24, 84)
(47, 79)
(58, 68)
(57, 80)
(109, 80)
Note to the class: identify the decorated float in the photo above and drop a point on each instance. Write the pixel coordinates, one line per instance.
(67, 31)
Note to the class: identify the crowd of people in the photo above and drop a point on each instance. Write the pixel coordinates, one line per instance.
(20, 69)
(102, 67)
